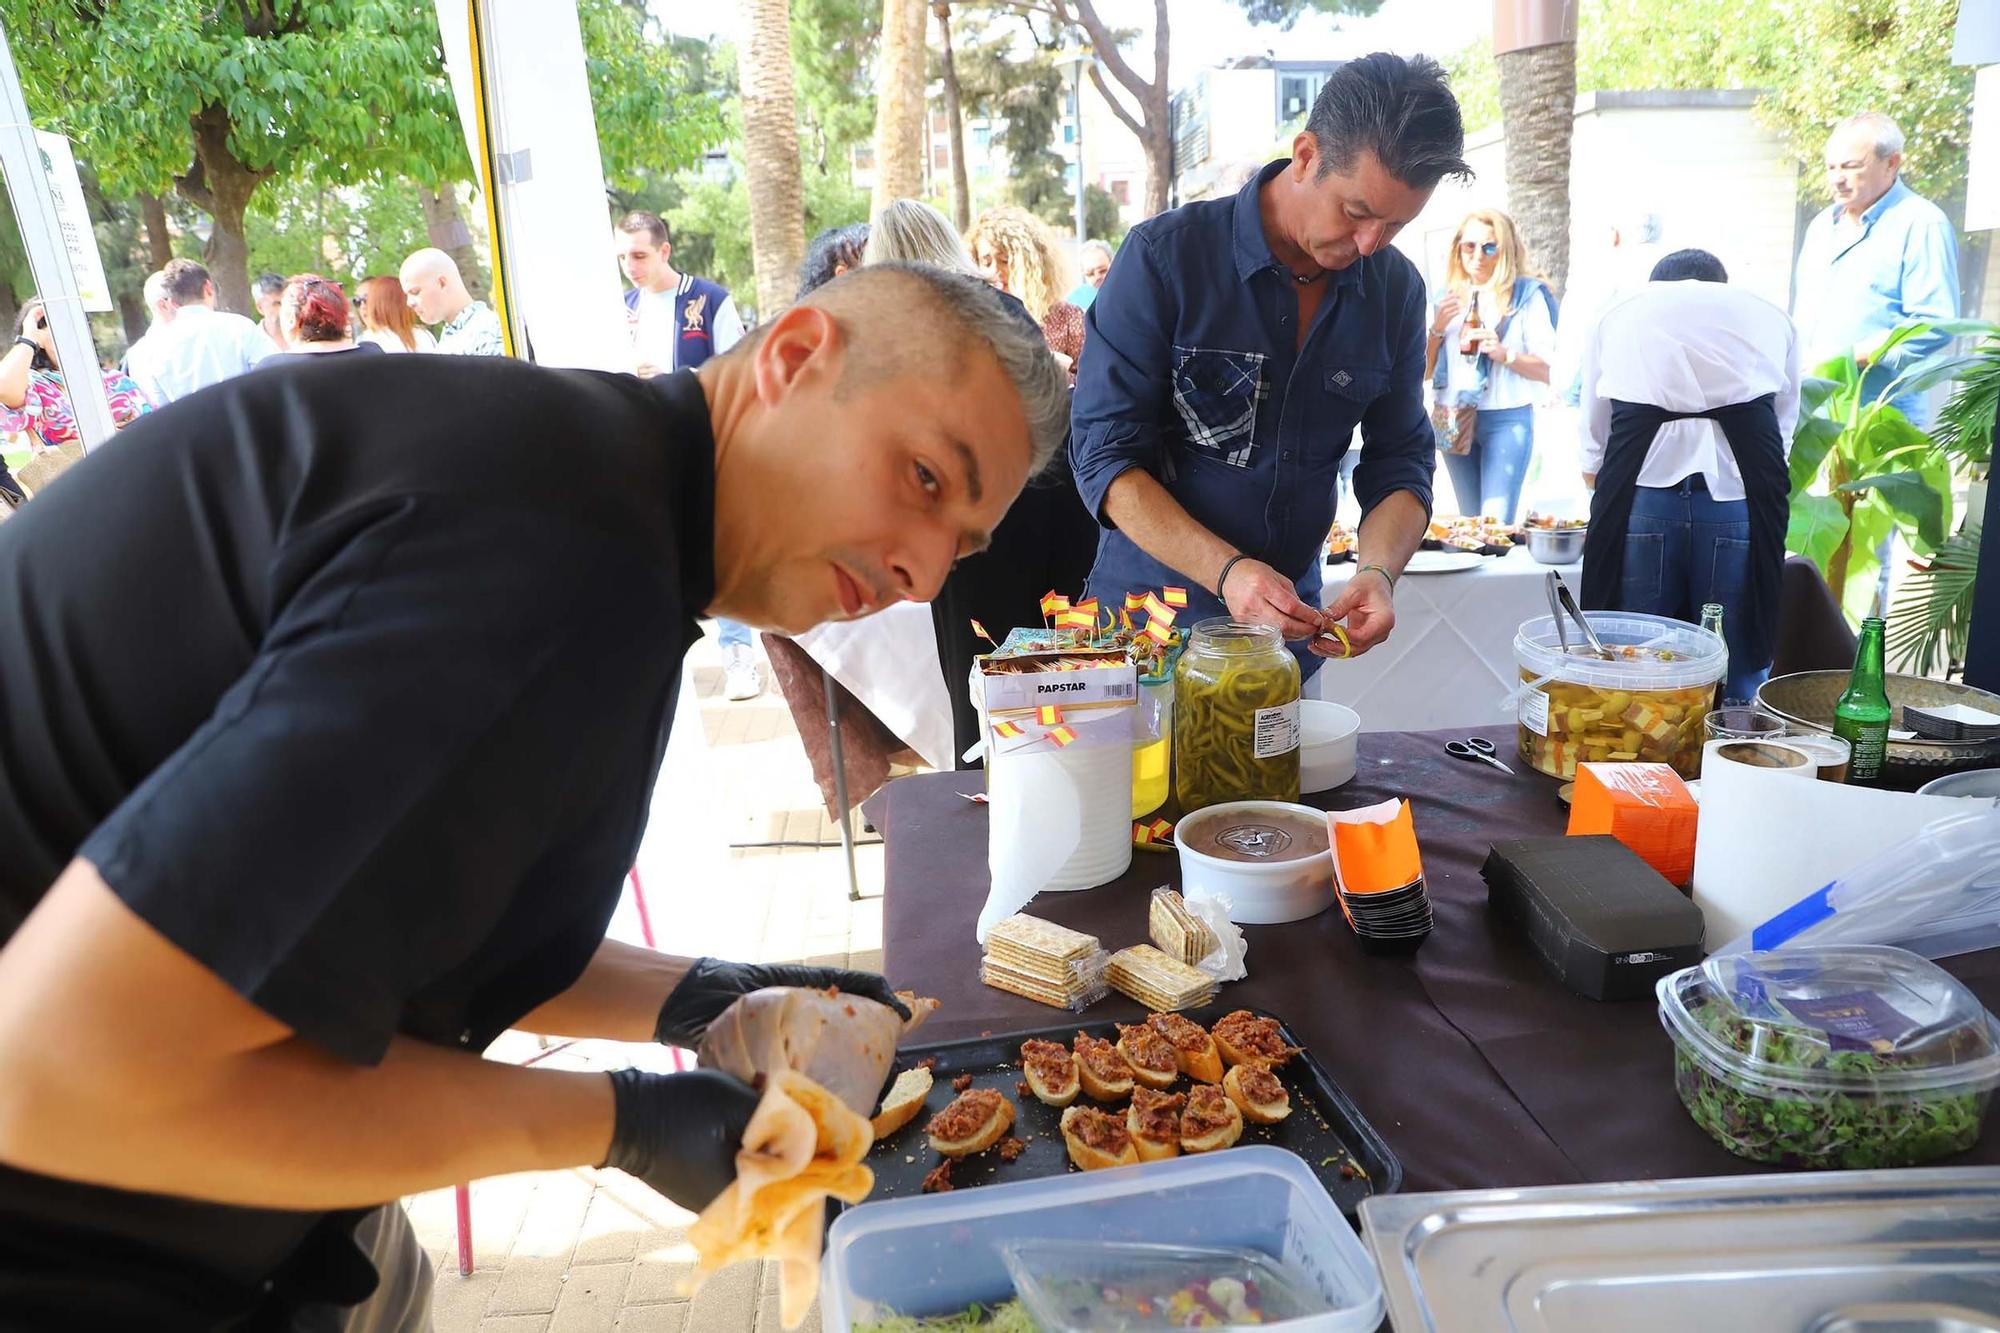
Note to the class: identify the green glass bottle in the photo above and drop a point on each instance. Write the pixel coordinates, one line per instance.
(1711, 620)
(1861, 718)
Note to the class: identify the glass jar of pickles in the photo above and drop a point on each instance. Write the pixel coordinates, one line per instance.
(1236, 716)
(1646, 704)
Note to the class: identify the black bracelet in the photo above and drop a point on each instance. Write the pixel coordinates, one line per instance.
(1223, 577)
(23, 340)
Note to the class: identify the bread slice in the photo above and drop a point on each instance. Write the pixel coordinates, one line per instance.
(1211, 1121)
(1051, 1071)
(1154, 1122)
(1112, 1080)
(1257, 1093)
(1194, 1049)
(1246, 1038)
(905, 1099)
(1109, 1142)
(972, 1123)
(1150, 1056)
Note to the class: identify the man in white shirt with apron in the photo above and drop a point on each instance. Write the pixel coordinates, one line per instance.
(1690, 390)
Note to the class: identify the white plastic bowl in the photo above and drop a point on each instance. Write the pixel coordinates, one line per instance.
(1260, 893)
(1327, 734)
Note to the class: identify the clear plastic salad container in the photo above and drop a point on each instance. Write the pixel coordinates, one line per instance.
(1842, 1057)
(1103, 1287)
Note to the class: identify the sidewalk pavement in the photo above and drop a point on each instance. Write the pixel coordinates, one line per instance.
(584, 1251)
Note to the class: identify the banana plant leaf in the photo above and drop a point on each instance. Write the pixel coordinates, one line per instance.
(1910, 496)
(1817, 525)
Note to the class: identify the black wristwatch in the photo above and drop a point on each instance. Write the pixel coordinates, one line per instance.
(23, 340)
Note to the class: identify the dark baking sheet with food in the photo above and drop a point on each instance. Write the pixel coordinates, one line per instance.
(1325, 1127)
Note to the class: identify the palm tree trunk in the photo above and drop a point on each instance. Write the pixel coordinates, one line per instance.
(961, 188)
(771, 154)
(1538, 111)
(899, 106)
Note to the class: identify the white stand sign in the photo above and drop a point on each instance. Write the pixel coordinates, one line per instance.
(73, 215)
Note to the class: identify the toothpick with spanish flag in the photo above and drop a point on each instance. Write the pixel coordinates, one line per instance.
(1048, 715)
(1062, 736)
(980, 630)
(1134, 600)
(1075, 617)
(1157, 609)
(1158, 631)
(1175, 597)
(1052, 602)
(1007, 731)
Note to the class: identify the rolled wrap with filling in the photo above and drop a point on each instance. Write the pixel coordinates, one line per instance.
(844, 1043)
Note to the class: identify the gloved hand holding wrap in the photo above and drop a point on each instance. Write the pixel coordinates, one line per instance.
(840, 1041)
(680, 1133)
(713, 984)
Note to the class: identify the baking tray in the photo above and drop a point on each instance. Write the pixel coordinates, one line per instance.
(1891, 1251)
(1325, 1128)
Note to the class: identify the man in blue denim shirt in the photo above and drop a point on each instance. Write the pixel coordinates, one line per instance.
(1235, 346)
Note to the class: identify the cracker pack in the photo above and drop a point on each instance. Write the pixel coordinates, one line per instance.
(1158, 981)
(1044, 962)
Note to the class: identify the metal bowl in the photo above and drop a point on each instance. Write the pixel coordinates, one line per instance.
(1556, 546)
(1806, 700)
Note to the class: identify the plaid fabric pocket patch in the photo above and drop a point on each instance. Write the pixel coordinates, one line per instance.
(1217, 394)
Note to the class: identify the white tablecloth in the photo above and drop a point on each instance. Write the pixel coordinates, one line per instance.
(1450, 661)
(889, 661)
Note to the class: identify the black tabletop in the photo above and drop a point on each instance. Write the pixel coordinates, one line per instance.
(1477, 1066)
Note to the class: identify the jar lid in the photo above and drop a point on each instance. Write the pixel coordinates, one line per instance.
(1837, 1018)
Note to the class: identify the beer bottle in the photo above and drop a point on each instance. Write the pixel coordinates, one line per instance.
(1468, 338)
(1861, 718)
(1711, 620)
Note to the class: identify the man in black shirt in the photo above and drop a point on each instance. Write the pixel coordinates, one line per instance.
(330, 704)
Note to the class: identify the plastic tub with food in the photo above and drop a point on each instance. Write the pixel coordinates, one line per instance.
(1839, 1057)
(1273, 860)
(893, 1262)
(1106, 1287)
(1646, 704)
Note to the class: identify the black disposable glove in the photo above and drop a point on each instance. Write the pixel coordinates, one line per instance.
(679, 1133)
(713, 984)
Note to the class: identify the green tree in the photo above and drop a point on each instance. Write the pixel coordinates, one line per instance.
(215, 100)
(1815, 61)
(711, 225)
(344, 232)
(833, 49)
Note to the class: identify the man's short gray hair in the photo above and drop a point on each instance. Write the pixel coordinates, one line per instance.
(1886, 133)
(983, 317)
(1102, 247)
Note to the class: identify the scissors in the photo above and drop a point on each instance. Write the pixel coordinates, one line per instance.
(1478, 749)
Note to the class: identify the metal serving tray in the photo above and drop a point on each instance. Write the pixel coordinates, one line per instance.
(1841, 1252)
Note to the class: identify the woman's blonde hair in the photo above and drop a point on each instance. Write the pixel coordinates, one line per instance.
(1037, 273)
(913, 232)
(1510, 263)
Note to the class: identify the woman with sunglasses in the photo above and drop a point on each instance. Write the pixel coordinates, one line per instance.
(1485, 378)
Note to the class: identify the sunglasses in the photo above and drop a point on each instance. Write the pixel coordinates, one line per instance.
(1490, 249)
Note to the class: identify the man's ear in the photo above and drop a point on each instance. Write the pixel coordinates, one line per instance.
(1305, 155)
(802, 345)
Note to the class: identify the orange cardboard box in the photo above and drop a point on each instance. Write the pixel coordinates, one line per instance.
(1645, 806)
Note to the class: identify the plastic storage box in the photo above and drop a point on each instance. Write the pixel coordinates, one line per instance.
(1647, 705)
(1847, 1056)
(939, 1253)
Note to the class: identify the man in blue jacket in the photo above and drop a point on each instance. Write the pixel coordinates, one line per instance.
(1236, 345)
(678, 322)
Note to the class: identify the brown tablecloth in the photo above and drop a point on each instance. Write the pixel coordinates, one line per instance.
(1475, 1064)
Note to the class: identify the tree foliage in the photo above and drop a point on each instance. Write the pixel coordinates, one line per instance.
(711, 225)
(1815, 60)
(833, 49)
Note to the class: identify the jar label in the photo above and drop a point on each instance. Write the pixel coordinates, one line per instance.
(1277, 730)
(1535, 712)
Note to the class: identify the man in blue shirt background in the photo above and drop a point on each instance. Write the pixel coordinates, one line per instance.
(1238, 342)
(1880, 256)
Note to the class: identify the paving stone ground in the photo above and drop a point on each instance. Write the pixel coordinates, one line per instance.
(586, 1252)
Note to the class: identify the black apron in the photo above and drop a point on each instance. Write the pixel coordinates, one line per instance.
(1752, 431)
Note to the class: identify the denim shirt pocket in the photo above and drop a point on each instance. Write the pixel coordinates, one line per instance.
(1217, 394)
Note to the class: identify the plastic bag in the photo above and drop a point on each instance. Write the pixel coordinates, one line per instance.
(1935, 894)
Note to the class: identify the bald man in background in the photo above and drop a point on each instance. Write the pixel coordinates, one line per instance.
(437, 294)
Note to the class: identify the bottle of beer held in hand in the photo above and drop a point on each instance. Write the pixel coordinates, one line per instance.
(1468, 337)
(1861, 718)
